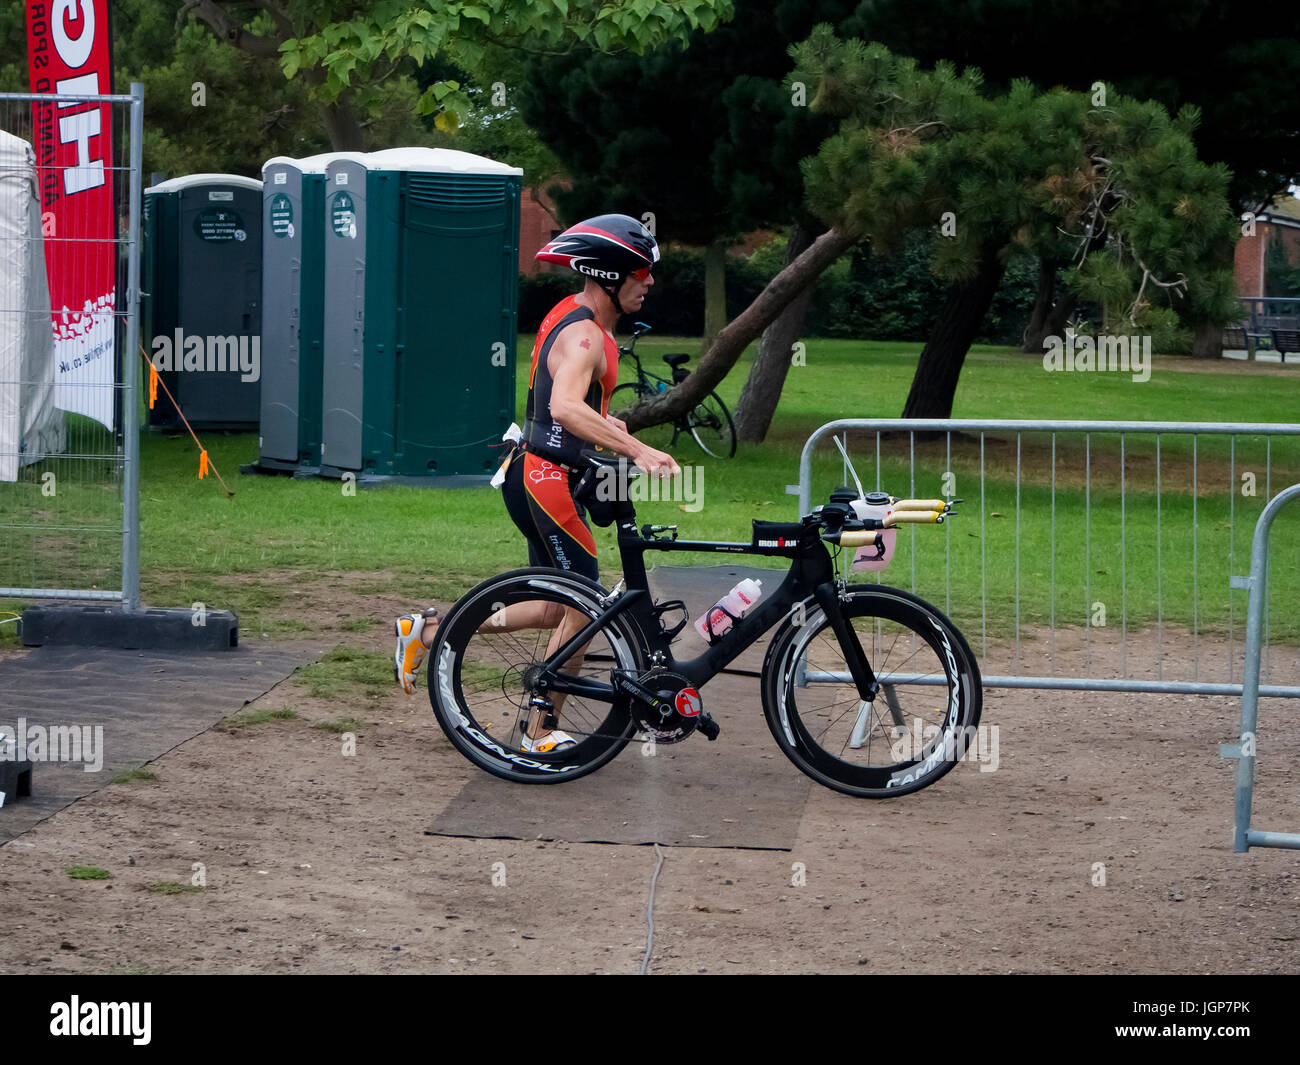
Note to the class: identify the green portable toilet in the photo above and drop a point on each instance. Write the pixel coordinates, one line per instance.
(202, 297)
(293, 307)
(422, 253)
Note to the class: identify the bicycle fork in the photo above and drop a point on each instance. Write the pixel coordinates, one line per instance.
(827, 597)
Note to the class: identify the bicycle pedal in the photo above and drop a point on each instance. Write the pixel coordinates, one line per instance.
(709, 728)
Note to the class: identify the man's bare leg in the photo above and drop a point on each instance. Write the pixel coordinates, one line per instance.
(534, 614)
(570, 625)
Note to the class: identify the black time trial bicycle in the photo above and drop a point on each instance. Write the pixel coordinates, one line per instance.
(868, 689)
(708, 422)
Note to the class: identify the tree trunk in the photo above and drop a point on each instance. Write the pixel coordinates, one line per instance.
(1036, 330)
(1059, 316)
(715, 291)
(1208, 342)
(341, 119)
(762, 391)
(935, 382)
(344, 126)
(229, 29)
(740, 333)
(1054, 318)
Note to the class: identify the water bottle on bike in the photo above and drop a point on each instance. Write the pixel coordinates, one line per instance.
(731, 607)
(874, 505)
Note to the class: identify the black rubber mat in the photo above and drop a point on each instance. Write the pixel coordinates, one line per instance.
(145, 702)
(739, 791)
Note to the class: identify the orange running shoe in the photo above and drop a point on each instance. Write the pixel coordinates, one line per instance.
(411, 650)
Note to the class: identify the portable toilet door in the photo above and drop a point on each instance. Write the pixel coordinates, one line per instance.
(282, 230)
(456, 285)
(311, 339)
(293, 277)
(159, 277)
(212, 238)
(343, 380)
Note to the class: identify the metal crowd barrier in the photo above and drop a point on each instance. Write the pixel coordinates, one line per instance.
(1088, 525)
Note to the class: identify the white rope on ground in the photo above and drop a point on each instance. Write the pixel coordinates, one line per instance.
(650, 914)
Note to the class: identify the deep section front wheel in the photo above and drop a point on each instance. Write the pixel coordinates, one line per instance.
(920, 723)
(486, 663)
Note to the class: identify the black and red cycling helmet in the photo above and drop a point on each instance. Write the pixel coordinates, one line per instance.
(607, 248)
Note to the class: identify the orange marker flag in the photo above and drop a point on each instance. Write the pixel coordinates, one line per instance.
(203, 463)
(153, 385)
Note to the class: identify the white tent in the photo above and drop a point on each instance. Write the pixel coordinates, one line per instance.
(30, 425)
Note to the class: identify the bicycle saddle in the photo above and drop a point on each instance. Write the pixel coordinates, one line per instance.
(605, 496)
(596, 460)
(676, 358)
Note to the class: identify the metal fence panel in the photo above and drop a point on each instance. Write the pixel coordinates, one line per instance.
(1244, 837)
(1266, 313)
(1088, 555)
(69, 520)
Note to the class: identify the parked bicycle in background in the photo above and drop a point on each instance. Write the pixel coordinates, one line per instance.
(708, 422)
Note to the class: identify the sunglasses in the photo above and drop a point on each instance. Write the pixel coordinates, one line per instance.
(641, 275)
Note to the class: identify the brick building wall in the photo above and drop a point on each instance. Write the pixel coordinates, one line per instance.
(537, 225)
(1248, 262)
(1280, 222)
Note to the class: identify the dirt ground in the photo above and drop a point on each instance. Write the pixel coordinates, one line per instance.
(1100, 844)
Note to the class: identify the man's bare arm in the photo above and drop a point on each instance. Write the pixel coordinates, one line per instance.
(575, 359)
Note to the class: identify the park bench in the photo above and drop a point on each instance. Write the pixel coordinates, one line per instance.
(1286, 342)
(1235, 344)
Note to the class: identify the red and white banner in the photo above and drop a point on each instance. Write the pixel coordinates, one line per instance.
(68, 52)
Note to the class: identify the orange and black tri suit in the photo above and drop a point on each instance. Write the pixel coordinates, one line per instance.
(542, 474)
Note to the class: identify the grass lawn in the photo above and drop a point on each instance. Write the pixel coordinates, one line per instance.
(247, 553)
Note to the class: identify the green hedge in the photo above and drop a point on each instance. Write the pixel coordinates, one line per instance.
(674, 305)
(862, 296)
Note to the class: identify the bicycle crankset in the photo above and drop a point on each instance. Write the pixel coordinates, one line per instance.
(667, 706)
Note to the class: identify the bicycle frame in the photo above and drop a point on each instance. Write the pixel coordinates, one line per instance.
(644, 378)
(811, 575)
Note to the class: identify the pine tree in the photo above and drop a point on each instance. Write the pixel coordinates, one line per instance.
(1008, 175)
(996, 176)
(697, 138)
